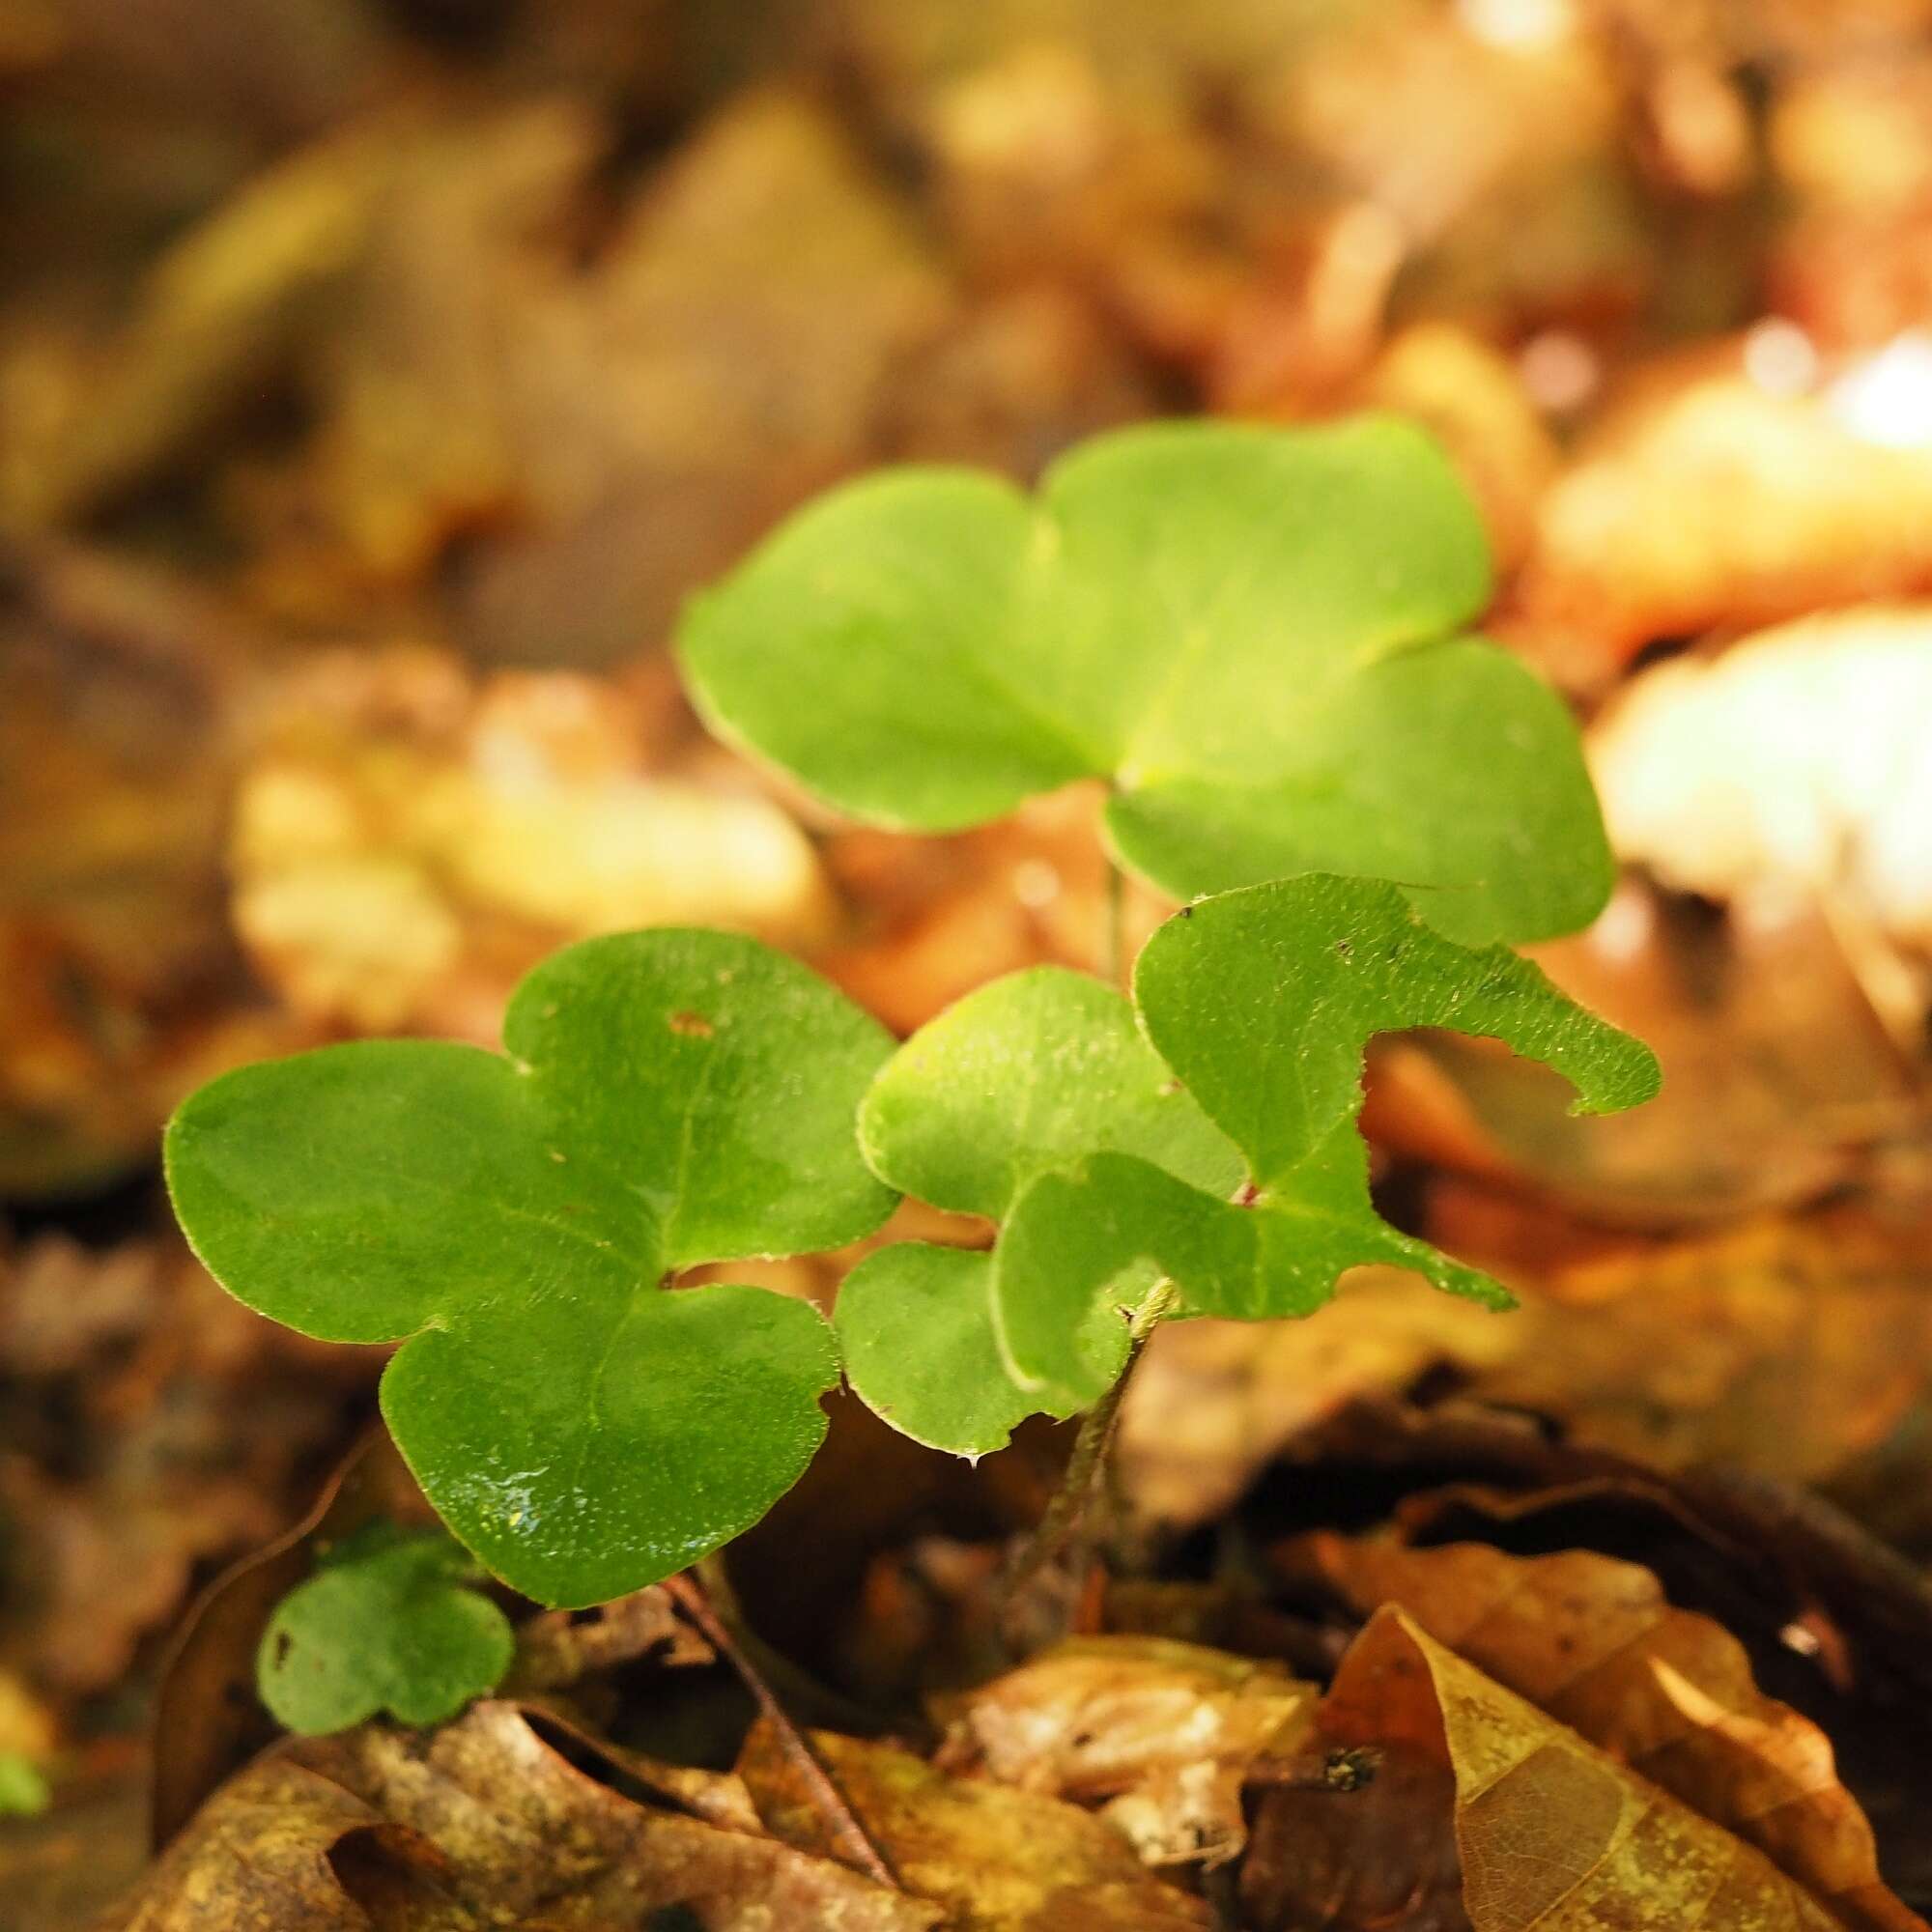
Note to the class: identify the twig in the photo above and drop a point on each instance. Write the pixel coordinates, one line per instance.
(556, 1650)
(846, 1830)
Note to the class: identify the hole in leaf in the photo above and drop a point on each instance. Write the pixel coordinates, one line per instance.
(377, 1870)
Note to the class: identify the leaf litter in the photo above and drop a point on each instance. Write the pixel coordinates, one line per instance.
(464, 348)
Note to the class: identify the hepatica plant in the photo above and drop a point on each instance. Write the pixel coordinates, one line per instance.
(1256, 639)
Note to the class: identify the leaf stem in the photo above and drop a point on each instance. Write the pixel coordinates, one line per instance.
(1068, 1506)
(1114, 934)
(854, 1841)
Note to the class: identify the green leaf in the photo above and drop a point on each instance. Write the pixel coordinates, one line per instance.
(916, 1326)
(1014, 1080)
(1021, 1076)
(670, 1096)
(1109, 1170)
(388, 1623)
(1256, 635)
(1082, 1244)
(1262, 1001)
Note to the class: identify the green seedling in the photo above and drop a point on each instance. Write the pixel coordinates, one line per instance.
(1257, 640)
(388, 1623)
(1194, 1153)
(664, 1098)
(1257, 637)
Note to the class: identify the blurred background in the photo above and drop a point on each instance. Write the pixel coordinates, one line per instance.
(377, 376)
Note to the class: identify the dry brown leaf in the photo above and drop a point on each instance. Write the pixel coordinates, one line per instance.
(997, 1860)
(1212, 1402)
(260, 1858)
(149, 1426)
(1785, 1346)
(1714, 498)
(1553, 1831)
(1594, 1643)
(407, 841)
(1160, 1734)
(1778, 1076)
(480, 1822)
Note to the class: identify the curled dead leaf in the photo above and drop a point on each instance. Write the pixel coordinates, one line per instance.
(1161, 1735)
(1550, 1831)
(1594, 1643)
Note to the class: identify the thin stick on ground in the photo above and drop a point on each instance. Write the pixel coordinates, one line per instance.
(850, 1834)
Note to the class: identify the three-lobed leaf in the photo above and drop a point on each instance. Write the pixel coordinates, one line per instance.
(668, 1098)
(1256, 635)
(1215, 1146)
(388, 1622)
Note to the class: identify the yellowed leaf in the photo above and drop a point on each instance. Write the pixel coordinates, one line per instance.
(1552, 1831)
(1595, 1644)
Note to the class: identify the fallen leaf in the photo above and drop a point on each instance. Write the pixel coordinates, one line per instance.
(481, 1823)
(997, 1860)
(1212, 1402)
(1709, 499)
(1553, 1831)
(1595, 1644)
(1780, 1078)
(408, 839)
(1781, 1346)
(1159, 1734)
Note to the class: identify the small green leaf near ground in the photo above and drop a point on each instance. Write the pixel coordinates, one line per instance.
(389, 1623)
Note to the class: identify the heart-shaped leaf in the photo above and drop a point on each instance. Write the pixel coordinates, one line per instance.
(667, 1097)
(1255, 635)
(387, 1622)
(1216, 1146)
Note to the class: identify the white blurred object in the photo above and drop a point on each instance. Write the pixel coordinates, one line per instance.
(1886, 397)
(1798, 765)
(1518, 23)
